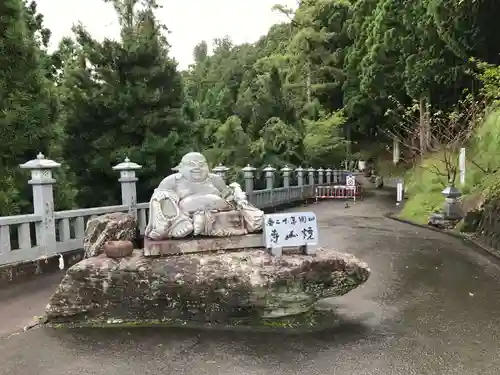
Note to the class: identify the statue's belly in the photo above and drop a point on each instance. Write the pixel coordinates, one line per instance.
(203, 202)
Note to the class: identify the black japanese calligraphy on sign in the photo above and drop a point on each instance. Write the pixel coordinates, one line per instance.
(270, 222)
(291, 234)
(308, 233)
(293, 221)
(310, 218)
(302, 219)
(275, 236)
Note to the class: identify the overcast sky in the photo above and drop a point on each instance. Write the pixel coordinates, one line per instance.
(189, 21)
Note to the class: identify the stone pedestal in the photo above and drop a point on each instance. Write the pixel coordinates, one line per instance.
(201, 245)
(194, 289)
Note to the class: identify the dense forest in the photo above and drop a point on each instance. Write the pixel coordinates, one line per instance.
(310, 92)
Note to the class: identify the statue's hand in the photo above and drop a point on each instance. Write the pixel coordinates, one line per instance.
(242, 202)
(238, 195)
(228, 194)
(169, 208)
(168, 203)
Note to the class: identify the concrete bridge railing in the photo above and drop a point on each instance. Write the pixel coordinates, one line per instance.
(46, 233)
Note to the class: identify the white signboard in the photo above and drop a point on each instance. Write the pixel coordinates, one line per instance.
(462, 166)
(400, 190)
(351, 181)
(292, 229)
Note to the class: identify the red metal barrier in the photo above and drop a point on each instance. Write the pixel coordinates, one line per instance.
(338, 192)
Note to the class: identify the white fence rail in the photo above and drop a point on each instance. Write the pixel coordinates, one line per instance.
(47, 233)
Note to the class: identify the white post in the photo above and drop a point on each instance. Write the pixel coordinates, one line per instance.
(43, 201)
(128, 179)
(399, 193)
(462, 166)
(395, 151)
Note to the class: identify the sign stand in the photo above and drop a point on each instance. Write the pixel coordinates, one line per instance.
(351, 185)
(276, 251)
(291, 231)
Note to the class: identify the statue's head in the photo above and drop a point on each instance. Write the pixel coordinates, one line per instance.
(194, 167)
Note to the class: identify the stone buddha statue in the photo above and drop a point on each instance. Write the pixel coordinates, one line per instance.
(197, 202)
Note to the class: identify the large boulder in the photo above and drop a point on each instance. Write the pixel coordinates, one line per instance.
(200, 288)
(116, 226)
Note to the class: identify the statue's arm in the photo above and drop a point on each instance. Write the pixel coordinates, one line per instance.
(227, 192)
(218, 182)
(168, 186)
(231, 192)
(166, 220)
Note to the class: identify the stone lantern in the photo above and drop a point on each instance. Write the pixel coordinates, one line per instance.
(451, 213)
(128, 181)
(221, 171)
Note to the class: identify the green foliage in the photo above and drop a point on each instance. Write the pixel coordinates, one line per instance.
(117, 106)
(232, 144)
(323, 139)
(28, 106)
(484, 174)
(490, 78)
(311, 91)
(424, 185)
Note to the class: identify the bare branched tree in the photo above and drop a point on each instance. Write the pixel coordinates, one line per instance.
(450, 132)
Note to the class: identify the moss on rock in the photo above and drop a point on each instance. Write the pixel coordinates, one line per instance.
(201, 288)
(309, 321)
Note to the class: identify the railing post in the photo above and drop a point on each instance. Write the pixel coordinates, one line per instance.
(128, 179)
(248, 175)
(336, 176)
(321, 176)
(300, 176)
(42, 183)
(311, 182)
(286, 175)
(221, 170)
(300, 180)
(310, 173)
(328, 176)
(269, 174)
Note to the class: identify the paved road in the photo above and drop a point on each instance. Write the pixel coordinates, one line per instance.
(431, 307)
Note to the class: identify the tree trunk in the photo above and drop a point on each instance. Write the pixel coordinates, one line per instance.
(421, 127)
(308, 81)
(395, 151)
(427, 124)
(425, 134)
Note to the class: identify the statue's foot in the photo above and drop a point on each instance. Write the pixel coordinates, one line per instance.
(199, 221)
(181, 229)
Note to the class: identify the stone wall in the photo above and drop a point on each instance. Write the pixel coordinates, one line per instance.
(488, 229)
(23, 271)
